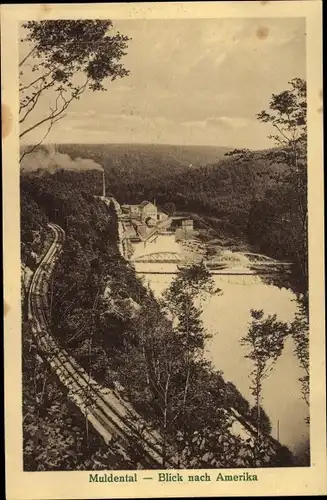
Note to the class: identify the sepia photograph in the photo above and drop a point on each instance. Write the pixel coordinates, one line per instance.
(164, 244)
(166, 320)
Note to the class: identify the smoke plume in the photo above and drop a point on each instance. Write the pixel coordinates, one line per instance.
(46, 157)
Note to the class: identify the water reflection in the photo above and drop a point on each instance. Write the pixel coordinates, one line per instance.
(226, 317)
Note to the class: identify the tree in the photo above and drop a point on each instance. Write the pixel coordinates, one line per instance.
(191, 284)
(265, 423)
(300, 334)
(277, 218)
(164, 369)
(167, 356)
(265, 342)
(288, 116)
(64, 59)
(109, 323)
(169, 208)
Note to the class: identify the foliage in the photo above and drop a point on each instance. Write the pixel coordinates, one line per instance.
(300, 335)
(63, 65)
(265, 423)
(288, 212)
(170, 383)
(221, 193)
(118, 332)
(226, 198)
(222, 190)
(288, 115)
(169, 208)
(54, 434)
(79, 319)
(264, 342)
(277, 219)
(258, 196)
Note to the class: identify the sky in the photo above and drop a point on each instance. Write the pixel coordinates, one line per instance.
(191, 82)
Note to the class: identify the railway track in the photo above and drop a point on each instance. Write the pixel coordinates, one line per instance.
(109, 414)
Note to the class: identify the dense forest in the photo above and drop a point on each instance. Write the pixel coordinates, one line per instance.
(102, 314)
(222, 188)
(117, 331)
(252, 196)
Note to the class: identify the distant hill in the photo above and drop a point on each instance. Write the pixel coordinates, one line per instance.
(199, 179)
(126, 164)
(123, 154)
(238, 195)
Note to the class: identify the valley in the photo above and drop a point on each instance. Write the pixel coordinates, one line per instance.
(134, 250)
(163, 245)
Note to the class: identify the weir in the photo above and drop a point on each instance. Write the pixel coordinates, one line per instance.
(162, 260)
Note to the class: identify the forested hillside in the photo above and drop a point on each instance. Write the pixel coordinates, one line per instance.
(146, 157)
(251, 196)
(104, 316)
(153, 352)
(222, 187)
(248, 195)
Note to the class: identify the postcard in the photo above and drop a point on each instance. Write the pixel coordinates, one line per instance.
(163, 250)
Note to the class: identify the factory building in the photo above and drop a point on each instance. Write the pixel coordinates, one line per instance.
(187, 225)
(144, 211)
(148, 210)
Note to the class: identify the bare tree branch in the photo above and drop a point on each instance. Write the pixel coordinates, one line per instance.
(43, 138)
(27, 56)
(21, 89)
(51, 116)
(36, 95)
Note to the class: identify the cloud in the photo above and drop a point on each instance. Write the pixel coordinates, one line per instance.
(192, 80)
(229, 122)
(195, 123)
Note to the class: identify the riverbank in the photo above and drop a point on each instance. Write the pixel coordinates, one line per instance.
(226, 318)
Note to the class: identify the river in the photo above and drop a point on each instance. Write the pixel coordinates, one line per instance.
(226, 317)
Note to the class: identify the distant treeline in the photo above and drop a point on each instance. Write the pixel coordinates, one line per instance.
(101, 312)
(248, 197)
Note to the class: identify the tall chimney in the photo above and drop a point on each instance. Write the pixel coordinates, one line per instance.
(103, 185)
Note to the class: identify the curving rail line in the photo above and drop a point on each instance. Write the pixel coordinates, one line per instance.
(109, 414)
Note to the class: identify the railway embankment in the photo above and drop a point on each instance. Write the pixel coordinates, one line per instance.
(111, 416)
(121, 342)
